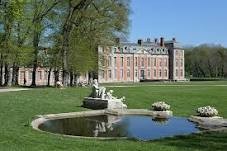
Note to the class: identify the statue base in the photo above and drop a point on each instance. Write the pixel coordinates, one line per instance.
(98, 103)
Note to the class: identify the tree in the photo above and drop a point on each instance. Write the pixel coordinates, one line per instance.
(206, 61)
(90, 23)
(41, 10)
(11, 11)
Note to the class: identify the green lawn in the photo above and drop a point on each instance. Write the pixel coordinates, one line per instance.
(17, 109)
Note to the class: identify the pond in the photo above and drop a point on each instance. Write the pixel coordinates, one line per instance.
(138, 127)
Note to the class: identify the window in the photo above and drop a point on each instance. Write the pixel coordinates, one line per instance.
(128, 61)
(122, 61)
(103, 61)
(103, 74)
(160, 73)
(121, 50)
(166, 63)
(22, 75)
(154, 61)
(142, 62)
(179, 53)
(176, 72)
(46, 74)
(136, 61)
(128, 73)
(154, 72)
(109, 74)
(181, 73)
(115, 61)
(115, 49)
(115, 73)
(40, 75)
(109, 61)
(149, 62)
(176, 62)
(30, 74)
(160, 62)
(148, 73)
(166, 74)
(136, 75)
(181, 63)
(122, 73)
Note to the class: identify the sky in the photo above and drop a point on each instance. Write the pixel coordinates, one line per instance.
(191, 22)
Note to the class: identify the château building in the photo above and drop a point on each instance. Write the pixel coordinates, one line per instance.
(156, 60)
(144, 60)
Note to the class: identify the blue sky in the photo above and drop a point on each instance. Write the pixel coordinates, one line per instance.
(192, 22)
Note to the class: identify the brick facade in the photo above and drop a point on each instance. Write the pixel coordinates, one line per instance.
(131, 62)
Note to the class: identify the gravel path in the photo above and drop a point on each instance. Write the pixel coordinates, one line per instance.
(12, 89)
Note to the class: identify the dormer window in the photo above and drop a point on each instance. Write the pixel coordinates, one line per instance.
(121, 50)
(115, 49)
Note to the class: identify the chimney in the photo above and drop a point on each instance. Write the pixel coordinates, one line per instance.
(156, 40)
(174, 39)
(117, 41)
(140, 41)
(162, 42)
(148, 40)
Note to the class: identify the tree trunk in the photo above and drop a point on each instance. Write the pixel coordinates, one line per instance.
(71, 78)
(69, 24)
(34, 72)
(6, 76)
(49, 75)
(65, 55)
(15, 74)
(35, 61)
(56, 76)
(1, 72)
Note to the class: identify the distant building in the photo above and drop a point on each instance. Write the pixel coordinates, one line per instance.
(25, 77)
(148, 60)
(124, 62)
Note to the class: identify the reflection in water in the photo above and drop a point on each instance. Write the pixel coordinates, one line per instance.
(131, 126)
(160, 121)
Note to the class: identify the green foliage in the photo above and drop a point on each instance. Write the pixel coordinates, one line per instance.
(80, 26)
(97, 25)
(206, 61)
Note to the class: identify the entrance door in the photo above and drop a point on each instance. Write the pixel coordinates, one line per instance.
(142, 75)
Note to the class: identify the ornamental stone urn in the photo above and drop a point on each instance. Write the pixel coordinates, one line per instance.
(161, 110)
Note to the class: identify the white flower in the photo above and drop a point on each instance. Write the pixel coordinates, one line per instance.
(207, 111)
(160, 106)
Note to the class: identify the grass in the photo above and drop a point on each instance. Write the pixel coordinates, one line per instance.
(17, 109)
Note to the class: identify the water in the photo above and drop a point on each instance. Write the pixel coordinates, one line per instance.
(131, 126)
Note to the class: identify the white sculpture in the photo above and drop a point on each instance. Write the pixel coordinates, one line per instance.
(102, 99)
(59, 84)
(98, 92)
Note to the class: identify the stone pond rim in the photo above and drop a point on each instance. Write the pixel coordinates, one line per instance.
(205, 123)
(43, 118)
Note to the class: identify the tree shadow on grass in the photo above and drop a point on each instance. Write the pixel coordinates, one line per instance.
(209, 141)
